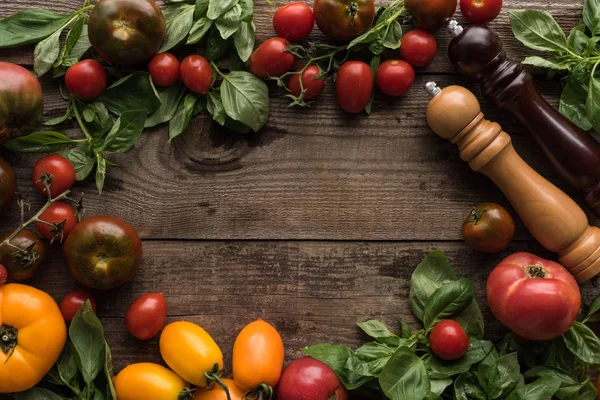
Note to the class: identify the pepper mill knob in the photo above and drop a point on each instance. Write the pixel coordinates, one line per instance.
(551, 216)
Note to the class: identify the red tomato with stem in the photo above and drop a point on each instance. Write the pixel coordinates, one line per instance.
(3, 274)
(314, 86)
(395, 77)
(307, 378)
(480, 11)
(146, 316)
(418, 48)
(86, 79)
(164, 69)
(294, 21)
(196, 73)
(271, 59)
(448, 340)
(62, 171)
(73, 301)
(354, 86)
(60, 214)
(536, 298)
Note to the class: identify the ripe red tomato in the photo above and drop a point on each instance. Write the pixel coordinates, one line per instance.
(354, 86)
(271, 59)
(73, 301)
(86, 79)
(418, 48)
(313, 86)
(196, 73)
(8, 184)
(294, 21)
(3, 275)
(146, 316)
(448, 340)
(58, 213)
(395, 78)
(307, 378)
(431, 14)
(489, 228)
(23, 265)
(61, 169)
(480, 11)
(164, 69)
(344, 20)
(536, 298)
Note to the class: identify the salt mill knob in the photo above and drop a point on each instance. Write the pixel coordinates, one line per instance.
(551, 216)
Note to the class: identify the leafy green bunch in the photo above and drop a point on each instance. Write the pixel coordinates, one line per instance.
(403, 367)
(577, 55)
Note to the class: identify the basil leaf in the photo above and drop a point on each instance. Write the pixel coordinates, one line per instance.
(584, 343)
(30, 26)
(577, 39)
(67, 364)
(405, 377)
(541, 389)
(243, 40)
(37, 393)
(236, 126)
(573, 104)
(67, 116)
(593, 100)
(393, 36)
(182, 116)
(46, 53)
(406, 331)
(336, 357)
(199, 29)
(246, 99)
(179, 18)
(125, 132)
(169, 100)
(102, 123)
(81, 46)
(368, 361)
(229, 23)
(591, 15)
(466, 387)
(200, 8)
(438, 386)
(40, 142)
(538, 30)
(108, 371)
(100, 172)
(216, 8)
(447, 301)
(500, 376)
(81, 161)
(594, 308)
(545, 63)
(133, 92)
(471, 320)
(378, 331)
(569, 388)
(366, 37)
(247, 10)
(87, 335)
(216, 47)
(441, 369)
(214, 105)
(72, 38)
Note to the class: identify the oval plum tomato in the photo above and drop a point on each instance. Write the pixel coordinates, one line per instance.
(146, 316)
(418, 48)
(73, 301)
(480, 11)
(354, 86)
(146, 381)
(258, 356)
(164, 69)
(448, 340)
(537, 299)
(313, 85)
(294, 21)
(489, 228)
(191, 352)
(271, 59)
(103, 252)
(62, 171)
(21, 101)
(8, 184)
(395, 78)
(217, 393)
(126, 31)
(431, 14)
(307, 378)
(344, 20)
(60, 214)
(196, 73)
(22, 265)
(86, 79)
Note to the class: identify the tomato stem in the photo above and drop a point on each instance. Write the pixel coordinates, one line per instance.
(8, 339)
(212, 376)
(73, 105)
(537, 271)
(262, 391)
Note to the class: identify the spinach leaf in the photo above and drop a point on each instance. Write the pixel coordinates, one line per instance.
(169, 101)
(583, 342)
(82, 162)
(228, 23)
(246, 99)
(404, 377)
(447, 301)
(40, 142)
(199, 29)
(37, 393)
(125, 132)
(573, 104)
(466, 387)
(378, 331)
(591, 15)
(441, 369)
(30, 26)
(100, 172)
(46, 53)
(179, 18)
(133, 92)
(182, 117)
(541, 389)
(216, 8)
(243, 40)
(87, 335)
(538, 30)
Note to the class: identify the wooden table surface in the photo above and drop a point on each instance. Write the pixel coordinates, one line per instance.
(313, 224)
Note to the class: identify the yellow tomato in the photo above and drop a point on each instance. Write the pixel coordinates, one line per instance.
(190, 351)
(32, 336)
(147, 381)
(219, 394)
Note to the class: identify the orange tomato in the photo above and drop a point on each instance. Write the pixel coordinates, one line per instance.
(218, 393)
(147, 381)
(258, 356)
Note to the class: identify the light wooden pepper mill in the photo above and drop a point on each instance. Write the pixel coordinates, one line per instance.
(551, 216)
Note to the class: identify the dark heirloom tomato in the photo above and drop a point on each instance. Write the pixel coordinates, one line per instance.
(103, 252)
(21, 102)
(431, 14)
(8, 184)
(344, 20)
(489, 228)
(23, 265)
(126, 31)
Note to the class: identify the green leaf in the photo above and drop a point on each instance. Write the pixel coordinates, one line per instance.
(336, 357)
(229, 23)
(570, 388)
(100, 172)
(133, 92)
(573, 104)
(246, 99)
(102, 123)
(45, 54)
(406, 331)
(404, 377)
(199, 29)
(214, 105)
(67, 116)
(201, 8)
(82, 162)
(594, 308)
(438, 386)
(81, 46)
(466, 387)
(583, 342)
(441, 369)
(37, 393)
(108, 371)
(67, 365)
(243, 40)
(125, 132)
(538, 30)
(87, 335)
(577, 39)
(247, 10)
(378, 331)
(216, 47)
(40, 142)
(591, 15)
(182, 116)
(471, 320)
(30, 26)
(541, 389)
(169, 101)
(179, 19)
(72, 38)
(369, 359)
(545, 63)
(447, 301)
(593, 100)
(500, 376)
(393, 36)
(216, 8)
(365, 38)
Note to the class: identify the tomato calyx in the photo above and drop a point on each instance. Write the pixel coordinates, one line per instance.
(260, 392)
(8, 339)
(536, 271)
(213, 377)
(476, 216)
(186, 394)
(353, 9)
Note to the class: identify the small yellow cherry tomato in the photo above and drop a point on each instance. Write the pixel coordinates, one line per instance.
(219, 394)
(147, 381)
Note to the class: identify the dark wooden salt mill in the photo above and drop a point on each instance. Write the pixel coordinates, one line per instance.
(476, 51)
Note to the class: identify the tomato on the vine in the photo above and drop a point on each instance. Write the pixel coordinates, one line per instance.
(22, 265)
(196, 73)
(62, 171)
(344, 20)
(354, 86)
(418, 48)
(294, 21)
(8, 184)
(271, 59)
(164, 69)
(60, 214)
(146, 316)
(73, 301)
(480, 11)
(489, 228)
(448, 340)
(395, 77)
(314, 86)
(431, 14)
(147, 381)
(217, 393)
(86, 79)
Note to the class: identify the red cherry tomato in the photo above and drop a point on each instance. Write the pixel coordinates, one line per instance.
(354, 86)
(196, 73)
(395, 77)
(62, 171)
(3, 274)
(271, 59)
(146, 316)
(58, 213)
(294, 21)
(307, 378)
(73, 301)
(313, 86)
(164, 69)
(86, 79)
(480, 11)
(448, 340)
(418, 48)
